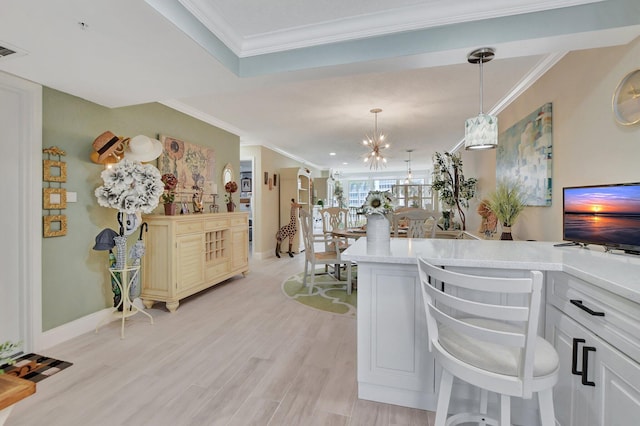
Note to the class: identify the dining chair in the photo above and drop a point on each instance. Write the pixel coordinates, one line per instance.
(326, 257)
(334, 218)
(419, 223)
(493, 346)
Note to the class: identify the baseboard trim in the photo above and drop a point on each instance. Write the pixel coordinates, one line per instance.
(74, 328)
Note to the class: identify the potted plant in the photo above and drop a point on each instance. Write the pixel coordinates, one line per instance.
(507, 202)
(339, 195)
(169, 195)
(230, 187)
(6, 350)
(454, 191)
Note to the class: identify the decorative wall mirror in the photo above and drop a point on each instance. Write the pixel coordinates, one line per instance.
(227, 174)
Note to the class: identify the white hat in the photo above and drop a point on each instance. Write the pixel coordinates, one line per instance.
(143, 148)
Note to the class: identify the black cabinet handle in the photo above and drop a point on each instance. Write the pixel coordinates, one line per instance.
(579, 304)
(585, 364)
(574, 357)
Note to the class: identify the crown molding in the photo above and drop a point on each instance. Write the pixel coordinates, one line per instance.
(196, 113)
(404, 19)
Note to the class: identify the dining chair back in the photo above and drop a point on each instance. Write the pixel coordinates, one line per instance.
(334, 218)
(419, 223)
(314, 257)
(491, 345)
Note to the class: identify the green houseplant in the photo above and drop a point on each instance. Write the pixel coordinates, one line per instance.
(454, 190)
(7, 349)
(338, 193)
(507, 202)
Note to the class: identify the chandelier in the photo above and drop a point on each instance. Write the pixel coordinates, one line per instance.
(375, 143)
(481, 132)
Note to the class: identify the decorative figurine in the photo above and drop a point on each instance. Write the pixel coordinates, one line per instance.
(289, 230)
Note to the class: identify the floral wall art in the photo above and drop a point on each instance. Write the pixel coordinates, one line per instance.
(193, 165)
(525, 153)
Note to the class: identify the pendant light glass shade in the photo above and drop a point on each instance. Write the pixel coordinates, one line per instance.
(481, 132)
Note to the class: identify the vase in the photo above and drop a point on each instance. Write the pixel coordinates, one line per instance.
(506, 233)
(231, 206)
(170, 209)
(378, 235)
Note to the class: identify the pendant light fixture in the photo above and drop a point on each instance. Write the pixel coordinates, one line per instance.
(409, 175)
(376, 143)
(481, 132)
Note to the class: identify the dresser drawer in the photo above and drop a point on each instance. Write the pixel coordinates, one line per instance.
(215, 223)
(243, 220)
(613, 318)
(189, 227)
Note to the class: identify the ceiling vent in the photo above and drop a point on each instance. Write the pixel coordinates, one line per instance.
(8, 51)
(5, 51)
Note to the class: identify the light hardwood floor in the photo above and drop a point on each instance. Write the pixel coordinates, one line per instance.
(239, 353)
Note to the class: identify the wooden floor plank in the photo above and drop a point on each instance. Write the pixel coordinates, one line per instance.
(240, 353)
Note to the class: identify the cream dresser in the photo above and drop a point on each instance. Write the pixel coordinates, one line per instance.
(189, 253)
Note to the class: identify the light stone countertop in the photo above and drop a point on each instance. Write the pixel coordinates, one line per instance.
(616, 272)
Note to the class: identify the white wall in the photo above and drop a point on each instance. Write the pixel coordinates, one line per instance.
(589, 147)
(21, 194)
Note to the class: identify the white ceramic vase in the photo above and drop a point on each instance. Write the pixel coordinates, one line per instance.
(378, 235)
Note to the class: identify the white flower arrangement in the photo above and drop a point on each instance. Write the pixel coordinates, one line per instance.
(130, 187)
(379, 202)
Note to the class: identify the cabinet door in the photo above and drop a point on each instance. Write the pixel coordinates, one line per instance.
(190, 261)
(239, 248)
(573, 402)
(617, 380)
(613, 399)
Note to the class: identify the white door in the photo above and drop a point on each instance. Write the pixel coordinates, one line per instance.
(21, 194)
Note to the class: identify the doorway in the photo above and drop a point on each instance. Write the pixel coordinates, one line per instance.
(247, 185)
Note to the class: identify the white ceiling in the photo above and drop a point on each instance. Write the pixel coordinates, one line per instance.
(300, 76)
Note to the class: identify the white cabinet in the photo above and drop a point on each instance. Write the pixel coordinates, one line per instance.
(599, 371)
(189, 253)
(414, 195)
(394, 362)
(295, 183)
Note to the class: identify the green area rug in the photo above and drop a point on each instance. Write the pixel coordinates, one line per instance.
(330, 296)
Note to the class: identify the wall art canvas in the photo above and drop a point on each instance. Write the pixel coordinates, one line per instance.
(191, 164)
(524, 154)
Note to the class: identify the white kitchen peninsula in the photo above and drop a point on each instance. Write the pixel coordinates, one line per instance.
(394, 365)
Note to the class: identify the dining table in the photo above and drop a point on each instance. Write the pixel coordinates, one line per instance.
(355, 233)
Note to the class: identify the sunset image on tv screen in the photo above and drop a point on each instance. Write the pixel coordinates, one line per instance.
(608, 215)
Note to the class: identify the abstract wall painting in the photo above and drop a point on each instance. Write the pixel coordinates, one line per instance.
(524, 154)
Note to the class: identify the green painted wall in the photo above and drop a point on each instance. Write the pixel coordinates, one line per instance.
(75, 281)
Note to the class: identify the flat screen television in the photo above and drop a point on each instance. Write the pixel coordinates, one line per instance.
(607, 215)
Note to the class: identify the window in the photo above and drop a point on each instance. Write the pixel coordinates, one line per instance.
(358, 190)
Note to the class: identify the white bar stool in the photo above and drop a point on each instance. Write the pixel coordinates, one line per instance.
(494, 347)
